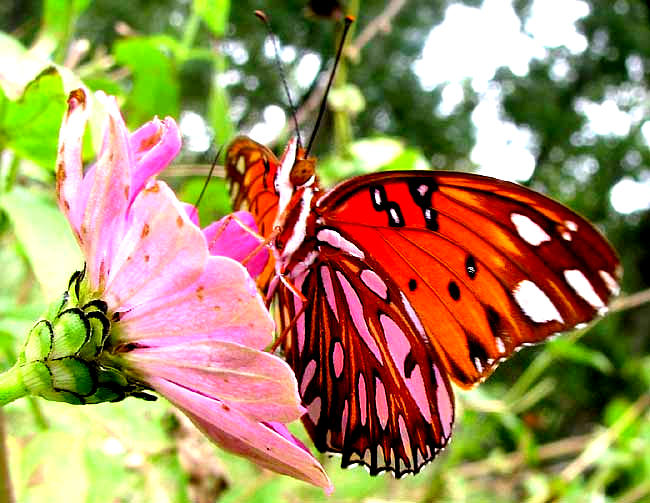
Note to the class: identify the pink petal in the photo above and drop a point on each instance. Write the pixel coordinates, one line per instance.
(257, 383)
(238, 433)
(223, 304)
(160, 253)
(107, 197)
(69, 165)
(227, 238)
(154, 146)
(192, 213)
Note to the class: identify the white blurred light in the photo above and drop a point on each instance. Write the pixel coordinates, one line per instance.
(288, 54)
(473, 42)
(195, 131)
(236, 50)
(452, 95)
(604, 118)
(307, 69)
(274, 121)
(502, 149)
(645, 131)
(552, 23)
(628, 196)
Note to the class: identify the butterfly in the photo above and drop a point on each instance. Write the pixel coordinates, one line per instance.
(391, 286)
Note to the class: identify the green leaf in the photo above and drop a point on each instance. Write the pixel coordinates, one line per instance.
(215, 14)
(30, 126)
(218, 108)
(59, 18)
(574, 351)
(45, 236)
(155, 82)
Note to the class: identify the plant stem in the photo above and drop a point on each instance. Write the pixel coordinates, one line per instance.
(191, 29)
(6, 492)
(11, 386)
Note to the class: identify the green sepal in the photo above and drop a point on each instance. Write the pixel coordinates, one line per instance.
(111, 387)
(100, 328)
(39, 342)
(73, 375)
(36, 377)
(71, 331)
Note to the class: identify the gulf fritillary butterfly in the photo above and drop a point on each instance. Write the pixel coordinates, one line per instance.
(393, 284)
(410, 280)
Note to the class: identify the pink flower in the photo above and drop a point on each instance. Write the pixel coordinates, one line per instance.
(186, 319)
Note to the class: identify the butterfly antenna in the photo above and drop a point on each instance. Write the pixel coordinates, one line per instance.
(276, 49)
(321, 111)
(207, 181)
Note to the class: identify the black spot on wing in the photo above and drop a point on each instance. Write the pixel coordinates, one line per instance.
(454, 291)
(381, 203)
(470, 267)
(421, 191)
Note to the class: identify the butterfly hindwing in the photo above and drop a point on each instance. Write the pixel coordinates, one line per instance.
(374, 390)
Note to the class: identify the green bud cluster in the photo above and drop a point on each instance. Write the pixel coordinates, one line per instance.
(61, 358)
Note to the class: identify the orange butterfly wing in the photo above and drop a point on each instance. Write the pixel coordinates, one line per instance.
(487, 265)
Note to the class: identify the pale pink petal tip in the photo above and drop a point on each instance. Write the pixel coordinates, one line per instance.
(154, 147)
(238, 433)
(192, 212)
(234, 236)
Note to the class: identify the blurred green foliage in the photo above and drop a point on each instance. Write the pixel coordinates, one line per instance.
(565, 421)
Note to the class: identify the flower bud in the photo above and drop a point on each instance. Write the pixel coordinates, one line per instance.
(61, 360)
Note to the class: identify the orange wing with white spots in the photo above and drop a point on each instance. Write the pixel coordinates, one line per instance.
(487, 265)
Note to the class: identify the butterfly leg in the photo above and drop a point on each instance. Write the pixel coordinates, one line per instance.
(303, 301)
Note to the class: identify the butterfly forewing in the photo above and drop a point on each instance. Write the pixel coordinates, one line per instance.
(486, 264)
(251, 169)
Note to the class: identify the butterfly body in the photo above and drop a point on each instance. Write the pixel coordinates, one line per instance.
(402, 282)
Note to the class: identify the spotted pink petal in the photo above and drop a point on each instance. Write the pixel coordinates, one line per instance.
(103, 213)
(154, 146)
(160, 253)
(258, 384)
(222, 304)
(69, 166)
(238, 433)
(228, 238)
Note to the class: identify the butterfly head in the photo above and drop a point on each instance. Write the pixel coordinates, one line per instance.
(295, 184)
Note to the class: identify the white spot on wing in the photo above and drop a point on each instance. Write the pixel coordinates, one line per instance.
(535, 303)
(572, 226)
(584, 288)
(528, 230)
(412, 314)
(377, 196)
(307, 376)
(313, 410)
(422, 189)
(501, 347)
(240, 166)
(333, 238)
(372, 280)
(610, 282)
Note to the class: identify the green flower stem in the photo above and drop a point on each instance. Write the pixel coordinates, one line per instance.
(11, 386)
(191, 29)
